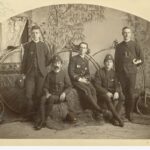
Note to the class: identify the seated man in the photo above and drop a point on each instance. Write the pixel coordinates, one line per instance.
(57, 85)
(108, 88)
(80, 75)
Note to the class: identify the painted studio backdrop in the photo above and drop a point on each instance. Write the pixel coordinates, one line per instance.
(65, 24)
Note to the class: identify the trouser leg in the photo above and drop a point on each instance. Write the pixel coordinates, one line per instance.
(46, 106)
(128, 87)
(124, 84)
(51, 101)
(112, 108)
(29, 91)
(93, 92)
(43, 108)
(39, 87)
(131, 100)
(93, 101)
(86, 90)
(120, 103)
(119, 106)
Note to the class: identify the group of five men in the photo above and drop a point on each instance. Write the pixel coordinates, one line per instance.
(105, 88)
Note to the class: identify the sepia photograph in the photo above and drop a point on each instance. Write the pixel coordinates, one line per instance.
(73, 71)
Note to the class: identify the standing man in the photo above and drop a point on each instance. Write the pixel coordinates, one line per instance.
(35, 60)
(127, 56)
(80, 76)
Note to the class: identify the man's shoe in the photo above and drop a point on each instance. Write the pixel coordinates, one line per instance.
(121, 123)
(71, 118)
(39, 125)
(100, 119)
(115, 122)
(130, 117)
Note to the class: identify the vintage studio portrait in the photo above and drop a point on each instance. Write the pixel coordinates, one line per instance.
(75, 71)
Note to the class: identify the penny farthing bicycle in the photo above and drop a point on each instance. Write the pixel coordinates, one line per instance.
(10, 66)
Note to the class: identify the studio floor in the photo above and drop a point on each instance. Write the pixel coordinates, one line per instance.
(19, 130)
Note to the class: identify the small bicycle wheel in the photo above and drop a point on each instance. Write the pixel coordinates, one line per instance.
(143, 107)
(1, 111)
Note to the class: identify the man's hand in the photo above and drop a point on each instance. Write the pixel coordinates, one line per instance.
(83, 80)
(137, 61)
(109, 94)
(48, 95)
(116, 95)
(62, 96)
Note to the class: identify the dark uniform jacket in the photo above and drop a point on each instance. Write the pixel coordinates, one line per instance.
(78, 68)
(35, 52)
(124, 55)
(106, 81)
(56, 83)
